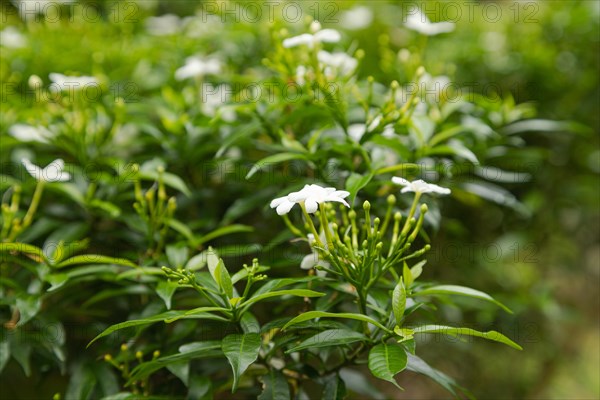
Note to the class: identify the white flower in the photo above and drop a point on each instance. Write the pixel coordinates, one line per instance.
(356, 131)
(215, 98)
(164, 25)
(196, 66)
(342, 62)
(28, 133)
(52, 173)
(301, 72)
(311, 39)
(312, 260)
(11, 37)
(62, 82)
(420, 22)
(311, 196)
(357, 18)
(419, 186)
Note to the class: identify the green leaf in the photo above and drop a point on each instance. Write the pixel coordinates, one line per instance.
(186, 353)
(165, 290)
(223, 279)
(275, 386)
(4, 351)
(241, 351)
(181, 228)
(322, 314)
(417, 270)
(177, 256)
(385, 361)
(407, 276)
(197, 262)
(169, 179)
(335, 388)
(81, 383)
(24, 248)
(355, 182)
(452, 331)
(460, 291)
(399, 302)
(212, 259)
(166, 317)
(28, 306)
(286, 292)
(199, 388)
(416, 364)
(94, 259)
(330, 337)
(274, 159)
(226, 230)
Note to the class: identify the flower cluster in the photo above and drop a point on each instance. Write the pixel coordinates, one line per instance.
(309, 197)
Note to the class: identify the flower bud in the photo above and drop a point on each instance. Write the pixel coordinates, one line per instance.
(424, 208)
(107, 357)
(35, 82)
(391, 200)
(366, 205)
(139, 355)
(156, 354)
(124, 347)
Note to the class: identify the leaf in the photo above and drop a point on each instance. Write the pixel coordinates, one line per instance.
(407, 275)
(169, 179)
(335, 388)
(452, 331)
(385, 361)
(24, 248)
(212, 259)
(241, 350)
(460, 291)
(330, 337)
(166, 317)
(417, 270)
(165, 290)
(199, 387)
(226, 230)
(4, 351)
(355, 182)
(274, 159)
(28, 307)
(275, 386)
(288, 292)
(81, 383)
(221, 276)
(181, 228)
(322, 314)
(186, 353)
(197, 262)
(399, 302)
(177, 256)
(95, 259)
(416, 364)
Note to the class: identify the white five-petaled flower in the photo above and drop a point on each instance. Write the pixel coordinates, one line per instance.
(28, 133)
(419, 186)
(311, 196)
(52, 173)
(62, 82)
(196, 66)
(12, 38)
(310, 39)
(419, 22)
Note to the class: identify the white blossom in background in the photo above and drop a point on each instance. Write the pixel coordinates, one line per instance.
(419, 22)
(28, 133)
(419, 186)
(356, 18)
(430, 83)
(11, 37)
(318, 35)
(301, 72)
(356, 131)
(164, 25)
(196, 66)
(62, 82)
(311, 196)
(29, 9)
(53, 172)
(341, 62)
(310, 261)
(215, 98)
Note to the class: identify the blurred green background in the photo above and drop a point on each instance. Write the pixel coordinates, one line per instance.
(545, 264)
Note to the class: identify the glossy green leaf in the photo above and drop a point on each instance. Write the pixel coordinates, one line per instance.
(355, 182)
(399, 301)
(330, 337)
(452, 331)
(223, 231)
(460, 291)
(335, 388)
(241, 350)
(274, 159)
(275, 386)
(322, 314)
(24, 248)
(165, 290)
(385, 361)
(94, 259)
(285, 292)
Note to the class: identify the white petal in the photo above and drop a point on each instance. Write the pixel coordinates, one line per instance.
(311, 205)
(285, 207)
(338, 200)
(33, 169)
(341, 194)
(305, 38)
(276, 202)
(328, 36)
(400, 181)
(54, 171)
(309, 261)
